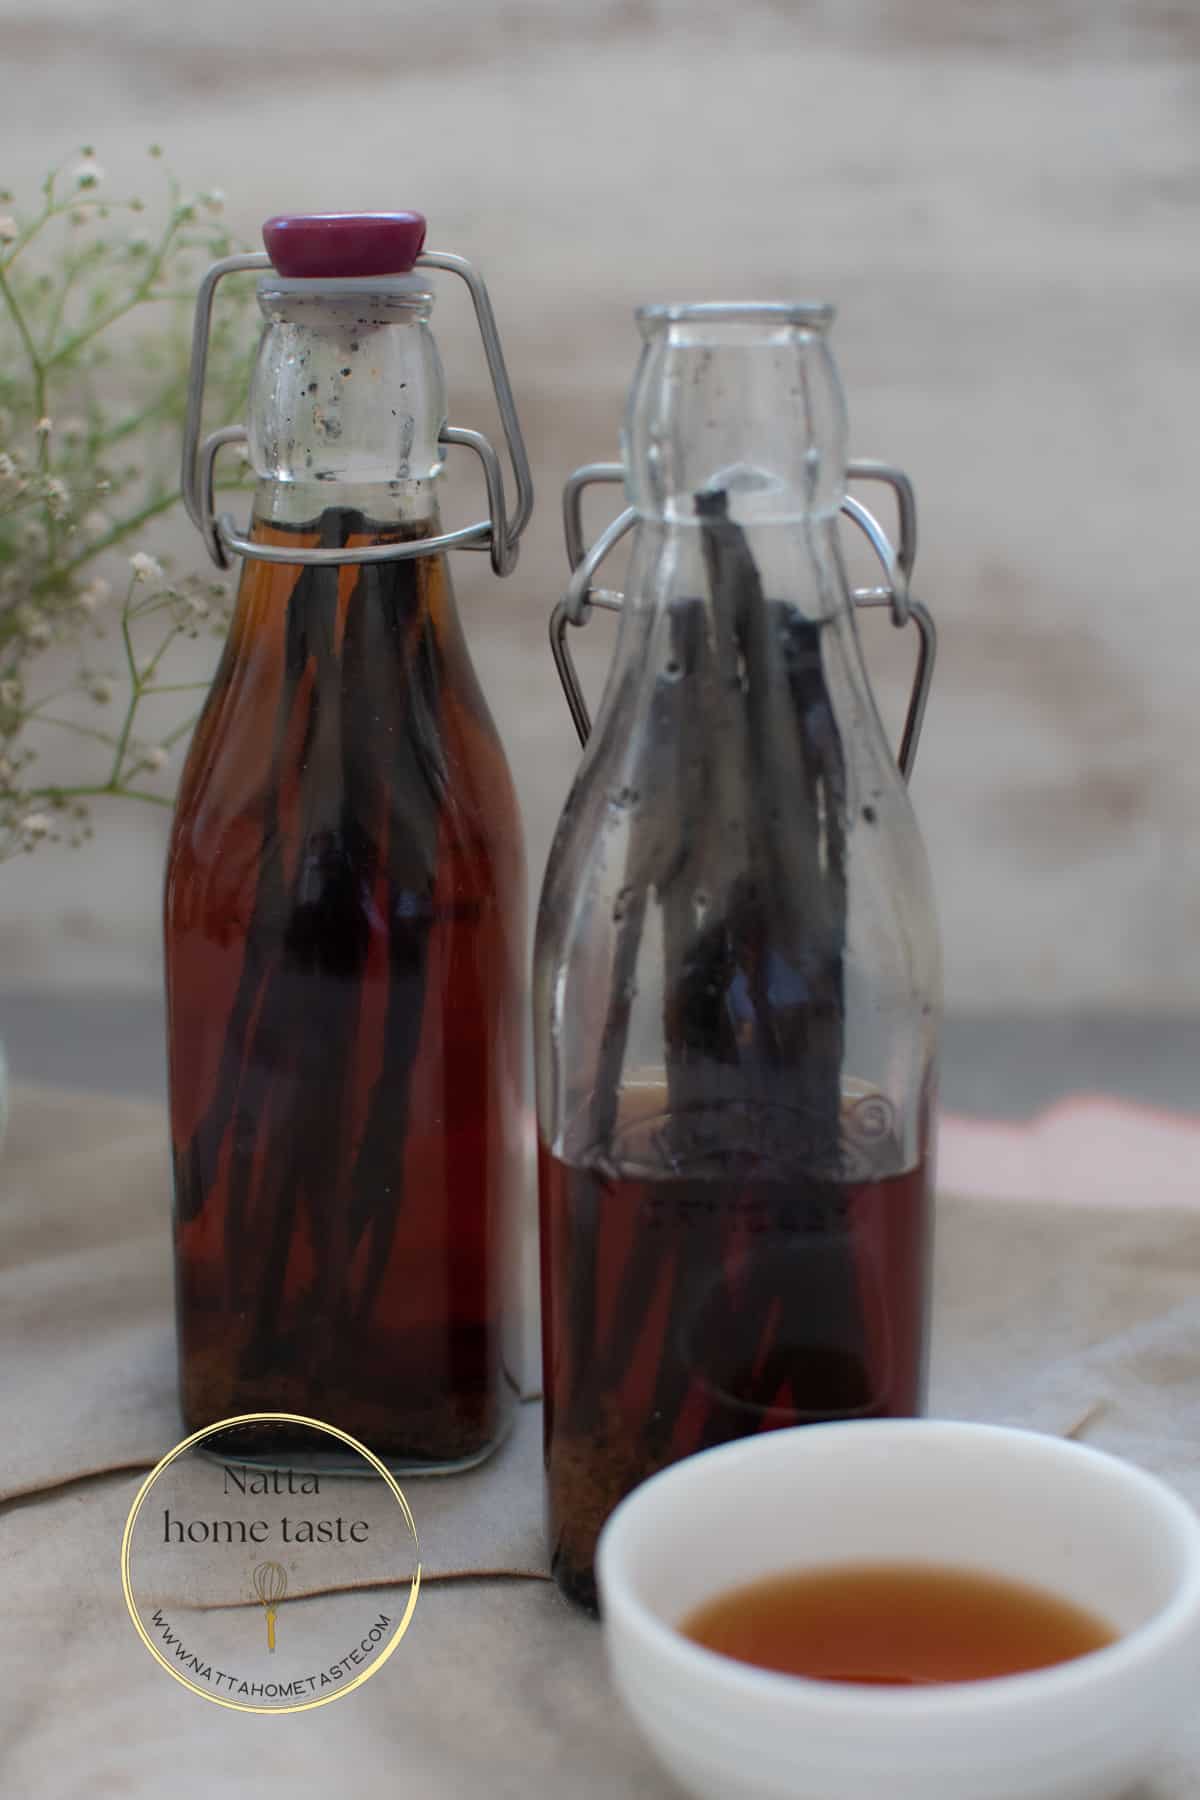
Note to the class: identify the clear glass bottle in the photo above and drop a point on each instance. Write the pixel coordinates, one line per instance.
(737, 977)
(344, 914)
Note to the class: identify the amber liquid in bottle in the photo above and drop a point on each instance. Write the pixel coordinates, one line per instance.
(680, 1313)
(344, 929)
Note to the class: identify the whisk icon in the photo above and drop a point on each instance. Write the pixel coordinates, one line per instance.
(270, 1584)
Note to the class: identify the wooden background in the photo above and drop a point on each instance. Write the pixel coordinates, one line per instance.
(1002, 201)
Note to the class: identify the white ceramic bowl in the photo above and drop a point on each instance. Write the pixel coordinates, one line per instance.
(1080, 1524)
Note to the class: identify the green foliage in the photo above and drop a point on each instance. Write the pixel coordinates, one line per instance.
(95, 309)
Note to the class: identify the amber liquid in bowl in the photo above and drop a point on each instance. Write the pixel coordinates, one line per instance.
(895, 1625)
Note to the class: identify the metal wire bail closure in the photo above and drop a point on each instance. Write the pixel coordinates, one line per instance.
(498, 533)
(575, 606)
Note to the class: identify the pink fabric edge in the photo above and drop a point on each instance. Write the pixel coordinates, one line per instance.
(1089, 1150)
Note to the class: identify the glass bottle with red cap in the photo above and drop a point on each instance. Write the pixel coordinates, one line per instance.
(344, 910)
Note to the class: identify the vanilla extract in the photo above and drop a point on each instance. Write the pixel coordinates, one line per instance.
(343, 941)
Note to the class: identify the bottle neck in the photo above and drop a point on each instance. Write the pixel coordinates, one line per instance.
(347, 403)
(735, 450)
(303, 504)
(741, 402)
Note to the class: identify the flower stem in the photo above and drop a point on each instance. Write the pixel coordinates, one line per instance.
(99, 791)
(180, 731)
(70, 346)
(37, 367)
(134, 697)
(89, 731)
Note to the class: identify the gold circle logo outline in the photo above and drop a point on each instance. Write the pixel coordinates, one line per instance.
(273, 1418)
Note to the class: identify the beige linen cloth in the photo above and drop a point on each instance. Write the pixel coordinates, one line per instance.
(1069, 1316)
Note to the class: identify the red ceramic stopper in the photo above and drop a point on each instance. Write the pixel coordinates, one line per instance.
(316, 246)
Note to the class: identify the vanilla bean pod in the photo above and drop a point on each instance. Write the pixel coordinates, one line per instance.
(404, 783)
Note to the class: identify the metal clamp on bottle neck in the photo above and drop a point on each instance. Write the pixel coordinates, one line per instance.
(581, 596)
(499, 534)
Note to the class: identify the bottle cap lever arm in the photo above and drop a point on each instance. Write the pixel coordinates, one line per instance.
(497, 534)
(576, 604)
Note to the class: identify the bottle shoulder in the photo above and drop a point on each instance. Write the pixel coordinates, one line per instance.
(347, 709)
(657, 821)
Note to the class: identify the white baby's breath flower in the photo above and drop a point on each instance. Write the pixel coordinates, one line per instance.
(30, 623)
(26, 618)
(88, 174)
(93, 596)
(145, 568)
(36, 825)
(44, 426)
(8, 229)
(58, 498)
(198, 605)
(213, 201)
(155, 757)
